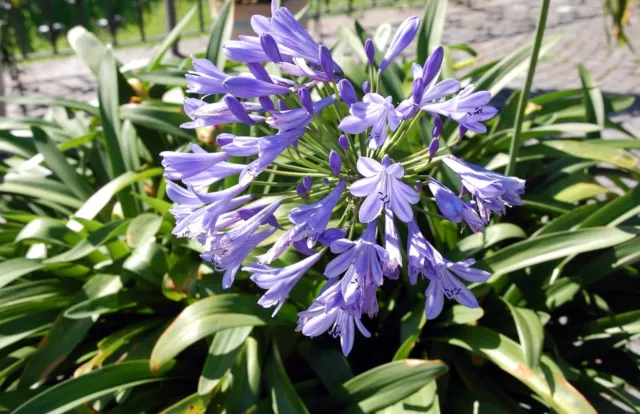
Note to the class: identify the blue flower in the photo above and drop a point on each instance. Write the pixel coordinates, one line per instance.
(468, 108)
(382, 187)
(375, 112)
(328, 312)
(228, 250)
(203, 114)
(403, 37)
(206, 79)
(455, 209)
(362, 261)
(278, 282)
(309, 222)
(492, 192)
(442, 274)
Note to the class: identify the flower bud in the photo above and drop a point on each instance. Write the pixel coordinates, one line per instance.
(462, 130)
(437, 127)
(325, 181)
(343, 141)
(347, 93)
(432, 65)
(302, 193)
(335, 162)
(370, 51)
(366, 87)
(417, 91)
(305, 100)
(403, 37)
(259, 72)
(326, 61)
(434, 146)
(307, 182)
(238, 110)
(267, 103)
(270, 47)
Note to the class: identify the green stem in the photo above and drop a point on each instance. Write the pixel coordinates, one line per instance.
(522, 102)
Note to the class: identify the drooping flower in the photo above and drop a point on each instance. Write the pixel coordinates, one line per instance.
(228, 250)
(328, 312)
(310, 222)
(278, 282)
(492, 192)
(442, 274)
(391, 267)
(453, 208)
(403, 37)
(362, 261)
(375, 112)
(382, 188)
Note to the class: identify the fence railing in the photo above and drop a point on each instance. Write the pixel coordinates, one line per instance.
(31, 29)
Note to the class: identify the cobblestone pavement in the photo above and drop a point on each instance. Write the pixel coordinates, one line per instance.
(494, 28)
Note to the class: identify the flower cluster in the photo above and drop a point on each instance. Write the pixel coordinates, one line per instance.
(331, 153)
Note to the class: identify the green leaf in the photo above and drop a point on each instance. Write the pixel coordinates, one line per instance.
(593, 98)
(13, 269)
(615, 212)
(545, 380)
(386, 385)
(109, 98)
(171, 38)
(209, 316)
(40, 188)
(164, 120)
(222, 353)
(459, 315)
(147, 263)
(87, 47)
(102, 197)
(586, 150)
(247, 376)
(530, 332)
(93, 307)
(431, 27)
(193, 404)
(496, 233)
(143, 228)
(283, 396)
(20, 327)
(52, 101)
(74, 392)
(66, 334)
(553, 246)
(57, 162)
(220, 34)
(169, 78)
(328, 363)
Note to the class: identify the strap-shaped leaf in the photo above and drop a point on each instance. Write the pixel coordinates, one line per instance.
(220, 34)
(171, 38)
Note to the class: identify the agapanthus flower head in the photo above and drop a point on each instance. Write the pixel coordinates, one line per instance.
(336, 216)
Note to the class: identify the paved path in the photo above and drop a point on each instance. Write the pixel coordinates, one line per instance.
(493, 27)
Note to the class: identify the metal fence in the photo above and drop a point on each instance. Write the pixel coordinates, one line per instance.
(45, 22)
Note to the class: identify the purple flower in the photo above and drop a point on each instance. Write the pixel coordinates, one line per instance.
(441, 273)
(383, 188)
(305, 100)
(366, 87)
(370, 51)
(437, 128)
(432, 67)
(193, 219)
(228, 250)
(310, 222)
(376, 112)
(278, 282)
(468, 108)
(238, 110)
(329, 313)
(206, 79)
(186, 165)
(343, 141)
(362, 261)
(492, 192)
(203, 114)
(269, 148)
(347, 93)
(238, 146)
(403, 37)
(270, 47)
(289, 119)
(249, 87)
(455, 209)
(391, 268)
(326, 61)
(335, 162)
(434, 145)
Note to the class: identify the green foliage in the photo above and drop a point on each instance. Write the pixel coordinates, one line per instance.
(102, 309)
